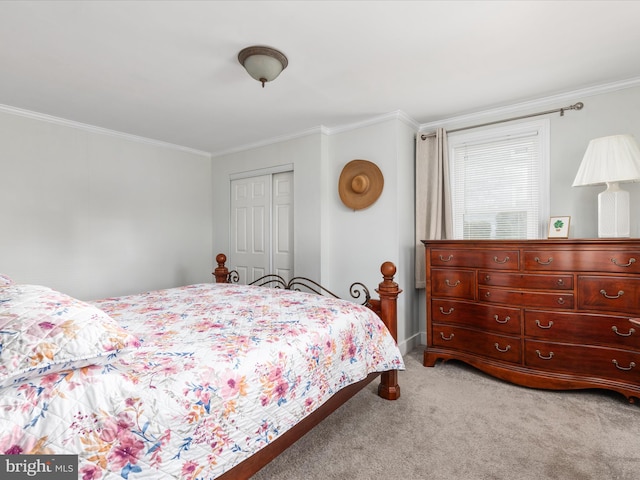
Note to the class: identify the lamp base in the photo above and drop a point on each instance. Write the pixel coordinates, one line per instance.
(613, 212)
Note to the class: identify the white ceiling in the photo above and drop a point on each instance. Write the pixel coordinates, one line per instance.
(168, 70)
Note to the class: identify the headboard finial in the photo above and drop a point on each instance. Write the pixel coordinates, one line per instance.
(221, 272)
(388, 270)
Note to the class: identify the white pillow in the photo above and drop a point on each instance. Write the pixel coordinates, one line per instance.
(43, 331)
(5, 280)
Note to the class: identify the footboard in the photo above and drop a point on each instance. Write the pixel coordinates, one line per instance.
(385, 307)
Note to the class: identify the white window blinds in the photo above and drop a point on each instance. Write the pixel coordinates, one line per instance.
(500, 183)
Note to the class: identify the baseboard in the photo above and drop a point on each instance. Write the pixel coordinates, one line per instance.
(411, 343)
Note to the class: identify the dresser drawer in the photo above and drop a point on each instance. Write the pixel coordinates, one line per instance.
(523, 280)
(563, 300)
(614, 260)
(484, 317)
(587, 328)
(500, 347)
(613, 294)
(494, 259)
(453, 283)
(586, 360)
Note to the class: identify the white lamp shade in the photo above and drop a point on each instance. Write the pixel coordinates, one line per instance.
(609, 159)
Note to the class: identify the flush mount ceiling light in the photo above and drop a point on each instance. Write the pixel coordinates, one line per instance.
(263, 63)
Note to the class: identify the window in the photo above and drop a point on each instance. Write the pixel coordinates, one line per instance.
(500, 182)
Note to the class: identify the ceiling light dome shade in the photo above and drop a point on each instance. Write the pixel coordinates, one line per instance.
(263, 63)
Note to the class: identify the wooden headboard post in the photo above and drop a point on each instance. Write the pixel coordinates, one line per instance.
(221, 272)
(388, 291)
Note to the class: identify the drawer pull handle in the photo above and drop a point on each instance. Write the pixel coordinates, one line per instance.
(548, 262)
(506, 319)
(449, 284)
(450, 337)
(448, 259)
(508, 347)
(615, 330)
(446, 313)
(626, 369)
(560, 282)
(561, 301)
(604, 294)
(628, 264)
(549, 357)
(506, 259)
(487, 278)
(487, 294)
(549, 325)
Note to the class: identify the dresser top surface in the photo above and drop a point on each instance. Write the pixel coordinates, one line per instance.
(539, 242)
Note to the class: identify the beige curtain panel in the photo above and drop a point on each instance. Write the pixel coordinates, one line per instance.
(433, 195)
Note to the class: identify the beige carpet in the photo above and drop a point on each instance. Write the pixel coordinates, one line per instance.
(453, 422)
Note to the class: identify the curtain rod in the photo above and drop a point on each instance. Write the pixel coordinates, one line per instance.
(576, 106)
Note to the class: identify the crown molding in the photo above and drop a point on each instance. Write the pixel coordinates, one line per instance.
(270, 141)
(397, 115)
(102, 131)
(461, 119)
(323, 130)
(523, 106)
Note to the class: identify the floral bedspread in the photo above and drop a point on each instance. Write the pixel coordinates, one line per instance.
(219, 372)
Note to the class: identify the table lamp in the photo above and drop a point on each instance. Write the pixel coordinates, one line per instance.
(611, 160)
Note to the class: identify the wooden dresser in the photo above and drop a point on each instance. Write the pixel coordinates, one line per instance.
(555, 314)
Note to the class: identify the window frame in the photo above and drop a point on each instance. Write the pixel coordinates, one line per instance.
(541, 127)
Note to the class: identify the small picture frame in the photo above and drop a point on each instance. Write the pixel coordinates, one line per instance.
(559, 227)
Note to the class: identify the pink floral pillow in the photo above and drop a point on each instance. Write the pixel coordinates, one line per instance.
(44, 331)
(5, 280)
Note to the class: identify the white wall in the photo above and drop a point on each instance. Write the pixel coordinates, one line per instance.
(360, 241)
(612, 113)
(97, 215)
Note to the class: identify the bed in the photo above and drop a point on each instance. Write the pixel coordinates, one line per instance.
(198, 382)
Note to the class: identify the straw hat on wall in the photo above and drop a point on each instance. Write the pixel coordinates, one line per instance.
(360, 184)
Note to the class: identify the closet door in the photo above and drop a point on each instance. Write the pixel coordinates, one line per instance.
(282, 224)
(250, 227)
(262, 226)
